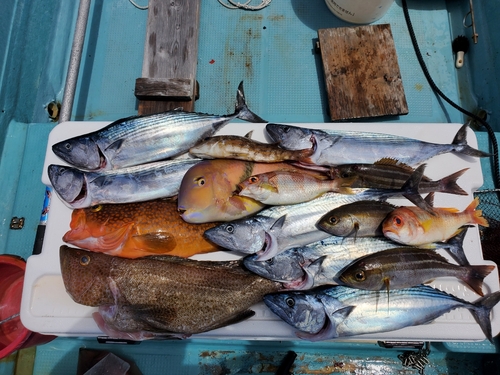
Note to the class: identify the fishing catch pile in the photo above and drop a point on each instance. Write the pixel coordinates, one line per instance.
(321, 244)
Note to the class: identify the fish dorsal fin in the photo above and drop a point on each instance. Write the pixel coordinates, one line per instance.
(249, 134)
(394, 162)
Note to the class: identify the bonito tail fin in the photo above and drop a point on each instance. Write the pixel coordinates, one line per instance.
(460, 141)
(481, 310)
(242, 111)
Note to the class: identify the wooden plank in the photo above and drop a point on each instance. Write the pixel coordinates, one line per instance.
(362, 74)
(171, 50)
(166, 88)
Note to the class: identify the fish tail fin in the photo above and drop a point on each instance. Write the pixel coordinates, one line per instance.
(455, 246)
(476, 215)
(475, 277)
(481, 310)
(461, 146)
(449, 184)
(242, 111)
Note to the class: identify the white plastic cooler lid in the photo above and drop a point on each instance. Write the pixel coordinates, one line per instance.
(47, 308)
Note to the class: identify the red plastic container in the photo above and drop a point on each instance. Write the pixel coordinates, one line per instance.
(13, 335)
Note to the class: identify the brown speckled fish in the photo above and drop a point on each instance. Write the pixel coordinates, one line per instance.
(159, 296)
(135, 230)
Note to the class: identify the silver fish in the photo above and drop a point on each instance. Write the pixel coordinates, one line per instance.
(142, 139)
(315, 264)
(283, 227)
(338, 311)
(79, 189)
(278, 228)
(322, 262)
(338, 147)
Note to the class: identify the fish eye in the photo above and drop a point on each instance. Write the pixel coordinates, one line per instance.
(270, 261)
(85, 260)
(360, 275)
(397, 221)
(333, 220)
(253, 179)
(345, 175)
(96, 208)
(290, 302)
(200, 181)
(67, 146)
(230, 228)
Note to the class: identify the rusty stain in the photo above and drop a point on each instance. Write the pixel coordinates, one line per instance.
(336, 367)
(419, 86)
(215, 353)
(277, 17)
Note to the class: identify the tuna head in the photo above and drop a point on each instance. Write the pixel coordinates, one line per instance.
(70, 185)
(81, 152)
(85, 276)
(290, 137)
(300, 310)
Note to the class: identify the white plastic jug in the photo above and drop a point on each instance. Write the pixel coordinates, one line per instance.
(359, 11)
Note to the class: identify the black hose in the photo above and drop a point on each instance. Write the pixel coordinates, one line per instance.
(489, 130)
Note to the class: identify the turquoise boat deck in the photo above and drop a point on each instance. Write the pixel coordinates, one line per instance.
(273, 52)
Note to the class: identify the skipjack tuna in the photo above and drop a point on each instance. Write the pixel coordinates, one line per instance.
(338, 147)
(322, 262)
(339, 311)
(79, 189)
(142, 139)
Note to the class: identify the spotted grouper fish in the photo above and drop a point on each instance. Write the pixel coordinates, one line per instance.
(160, 296)
(135, 230)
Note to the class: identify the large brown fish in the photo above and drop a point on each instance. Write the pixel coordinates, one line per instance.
(135, 230)
(159, 296)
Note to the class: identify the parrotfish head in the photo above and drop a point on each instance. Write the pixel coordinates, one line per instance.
(85, 276)
(300, 310)
(80, 152)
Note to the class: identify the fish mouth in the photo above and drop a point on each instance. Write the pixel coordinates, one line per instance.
(266, 252)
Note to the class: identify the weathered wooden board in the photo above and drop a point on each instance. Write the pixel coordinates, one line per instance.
(170, 56)
(362, 74)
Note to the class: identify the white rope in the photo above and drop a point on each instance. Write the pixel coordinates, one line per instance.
(234, 5)
(138, 6)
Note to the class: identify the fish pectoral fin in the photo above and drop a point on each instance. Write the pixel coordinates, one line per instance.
(115, 146)
(115, 239)
(158, 242)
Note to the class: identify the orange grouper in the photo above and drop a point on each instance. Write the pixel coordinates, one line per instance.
(133, 230)
(208, 189)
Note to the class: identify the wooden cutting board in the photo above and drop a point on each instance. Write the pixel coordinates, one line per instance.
(361, 72)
